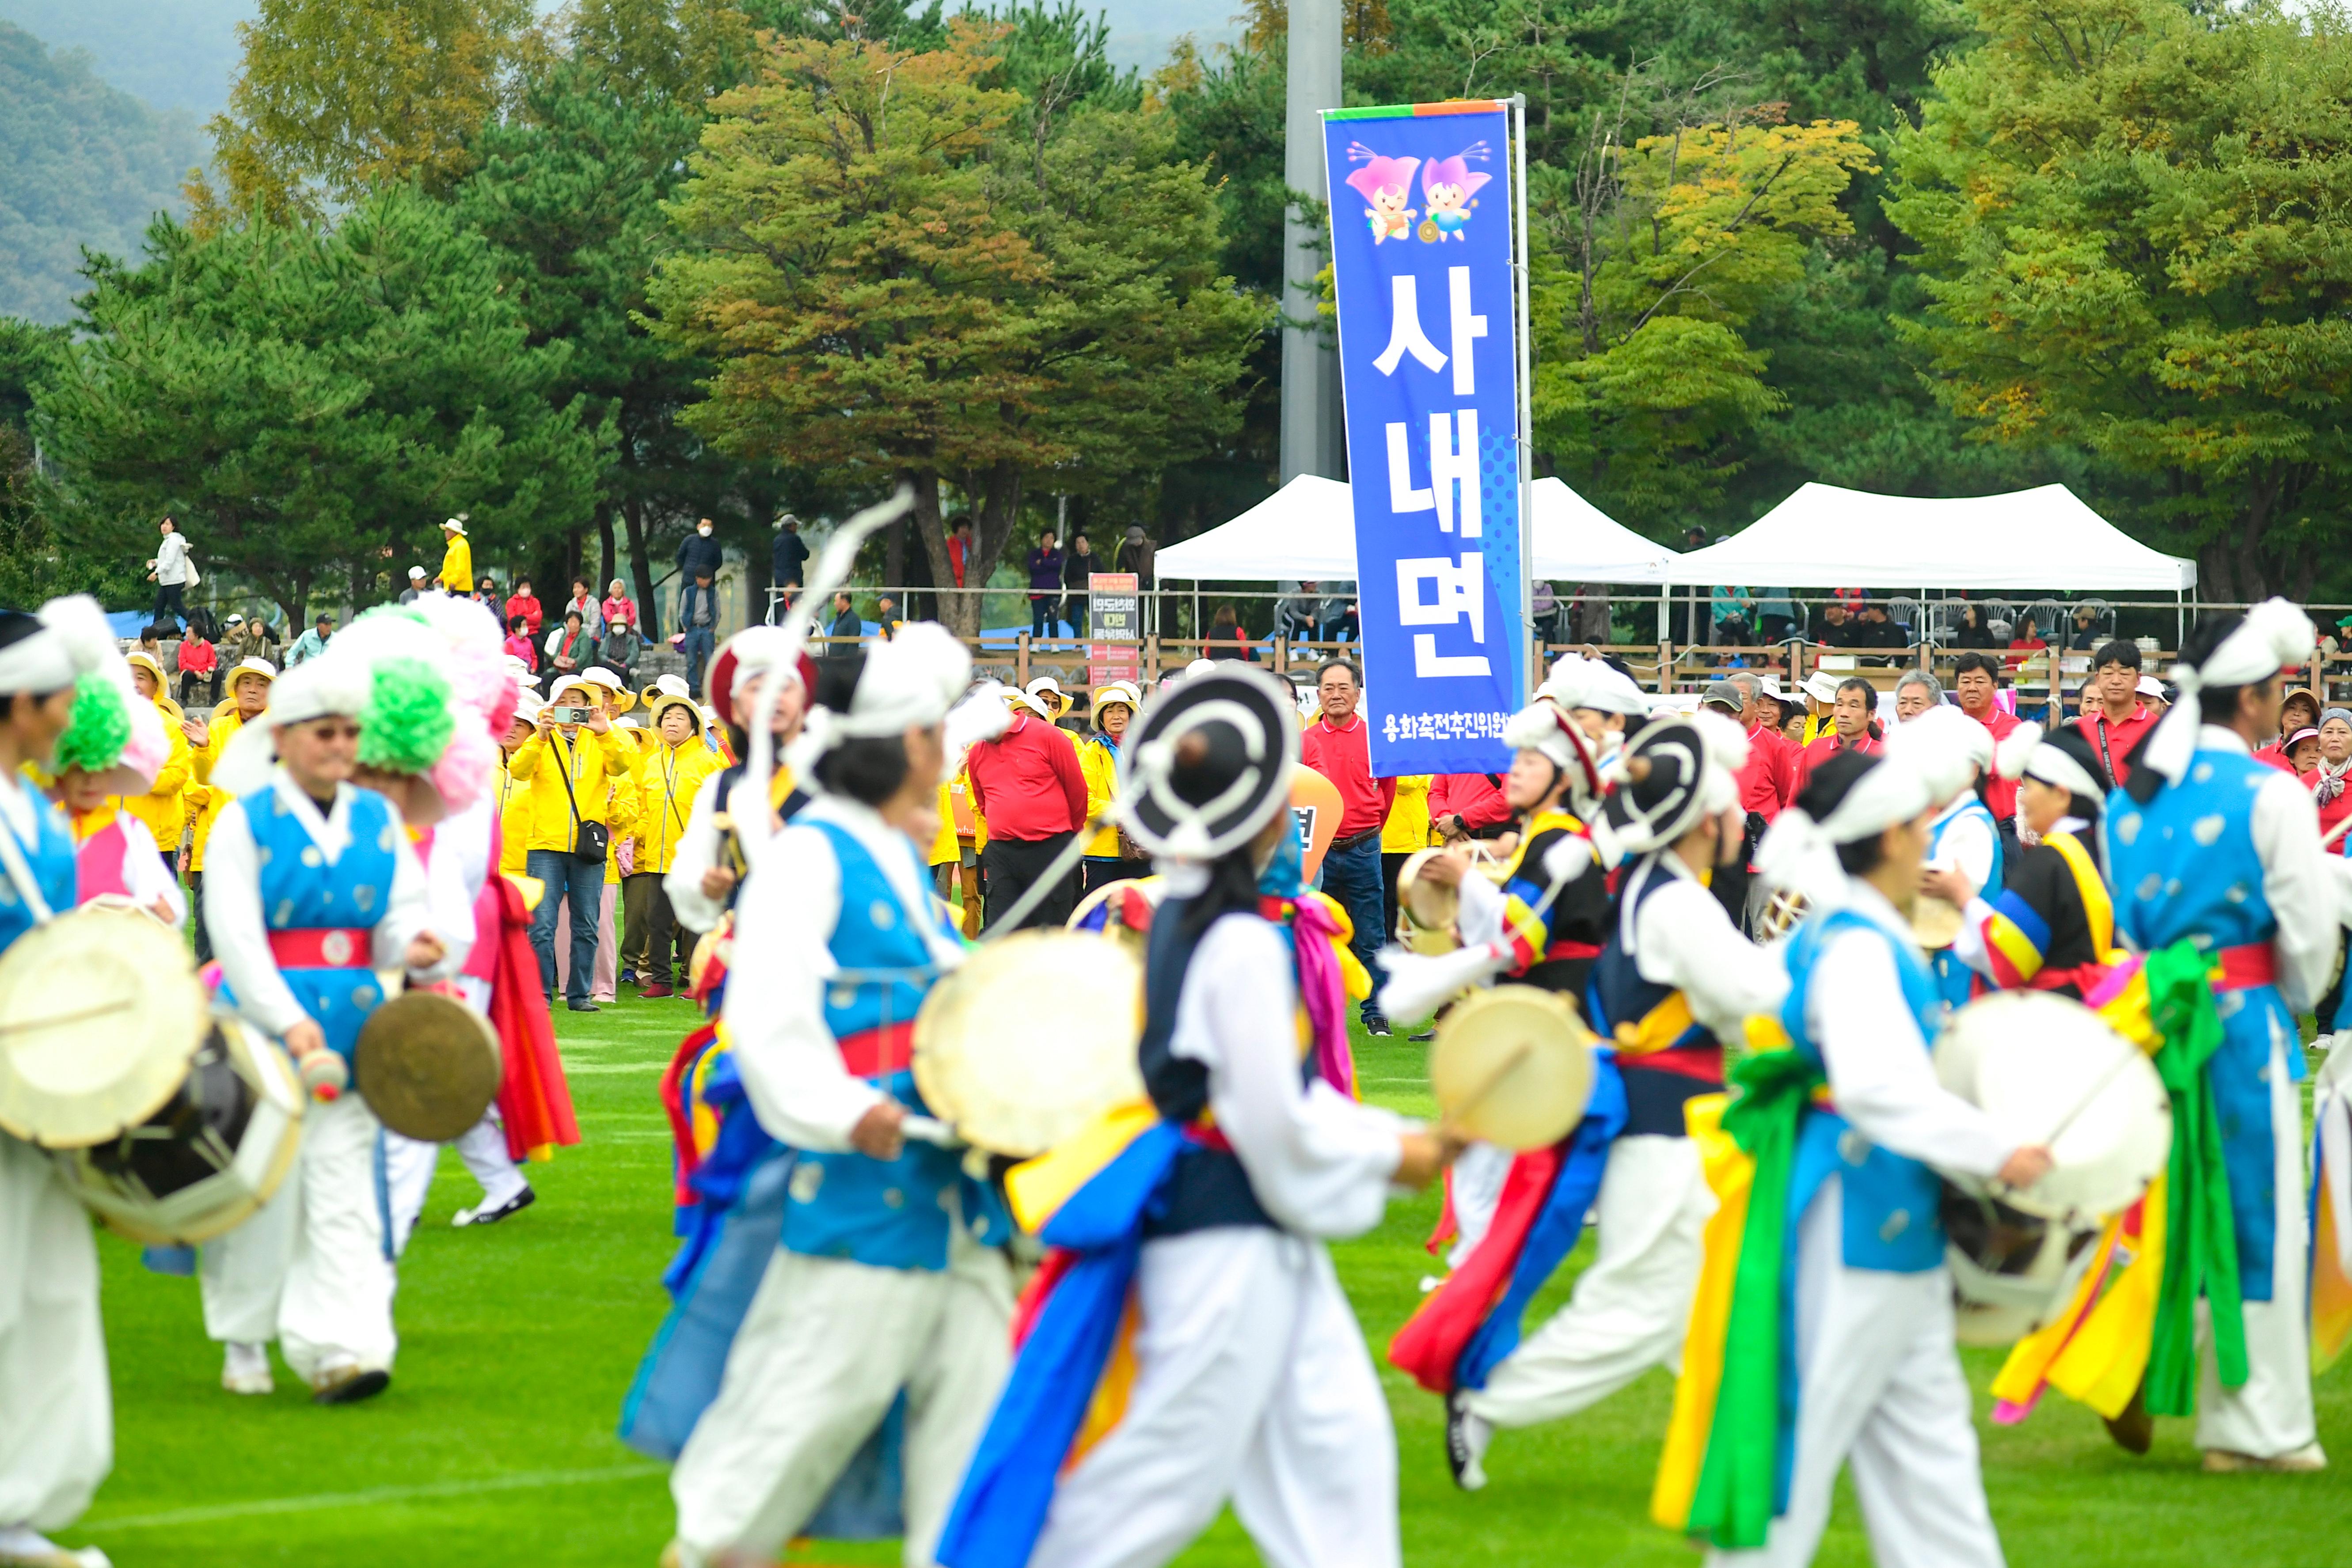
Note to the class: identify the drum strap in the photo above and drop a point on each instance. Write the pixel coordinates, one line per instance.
(12, 859)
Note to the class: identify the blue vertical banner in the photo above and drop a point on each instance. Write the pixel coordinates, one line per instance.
(1420, 254)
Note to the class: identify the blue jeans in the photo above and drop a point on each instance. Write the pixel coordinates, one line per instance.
(1352, 877)
(581, 881)
(697, 648)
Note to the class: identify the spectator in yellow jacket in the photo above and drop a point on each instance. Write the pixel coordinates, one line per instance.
(165, 807)
(1109, 858)
(570, 767)
(514, 794)
(670, 771)
(1406, 830)
(248, 694)
(457, 557)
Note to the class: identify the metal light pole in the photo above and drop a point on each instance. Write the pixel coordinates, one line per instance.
(1312, 438)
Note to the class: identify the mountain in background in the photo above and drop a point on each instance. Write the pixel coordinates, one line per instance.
(176, 54)
(1144, 31)
(81, 163)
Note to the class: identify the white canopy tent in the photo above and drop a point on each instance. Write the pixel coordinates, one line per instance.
(2043, 538)
(1306, 531)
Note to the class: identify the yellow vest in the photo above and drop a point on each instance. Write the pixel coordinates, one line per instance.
(164, 808)
(204, 800)
(514, 819)
(1407, 827)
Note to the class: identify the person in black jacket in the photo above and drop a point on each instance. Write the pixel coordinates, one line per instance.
(1969, 630)
(698, 555)
(1077, 564)
(787, 560)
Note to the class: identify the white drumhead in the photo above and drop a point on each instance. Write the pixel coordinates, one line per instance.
(2047, 1069)
(100, 1012)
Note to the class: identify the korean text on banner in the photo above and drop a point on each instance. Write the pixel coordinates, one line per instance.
(1116, 617)
(1420, 252)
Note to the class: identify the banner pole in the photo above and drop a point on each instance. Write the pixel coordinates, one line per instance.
(1527, 392)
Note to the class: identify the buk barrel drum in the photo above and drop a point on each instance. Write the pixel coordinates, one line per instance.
(1032, 1038)
(427, 1065)
(2047, 1071)
(1512, 1066)
(213, 1153)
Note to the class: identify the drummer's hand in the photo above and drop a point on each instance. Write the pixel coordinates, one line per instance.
(876, 1133)
(1445, 871)
(1948, 883)
(305, 1040)
(2026, 1165)
(425, 950)
(718, 882)
(1420, 1156)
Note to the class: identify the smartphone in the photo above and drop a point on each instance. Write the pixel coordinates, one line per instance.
(568, 715)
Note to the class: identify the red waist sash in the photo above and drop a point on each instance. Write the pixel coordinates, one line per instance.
(878, 1053)
(322, 947)
(2244, 968)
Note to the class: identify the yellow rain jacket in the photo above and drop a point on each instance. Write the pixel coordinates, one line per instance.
(458, 566)
(202, 799)
(1407, 827)
(1098, 760)
(667, 778)
(596, 765)
(514, 819)
(164, 808)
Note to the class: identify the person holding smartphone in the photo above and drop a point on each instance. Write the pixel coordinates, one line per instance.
(570, 766)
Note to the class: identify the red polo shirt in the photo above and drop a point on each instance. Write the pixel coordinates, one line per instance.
(2000, 794)
(1477, 798)
(2112, 742)
(1027, 782)
(1768, 781)
(1344, 755)
(1821, 751)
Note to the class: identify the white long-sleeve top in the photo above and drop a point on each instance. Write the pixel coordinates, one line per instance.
(2297, 882)
(698, 851)
(1880, 1073)
(240, 934)
(1681, 938)
(785, 917)
(1319, 1162)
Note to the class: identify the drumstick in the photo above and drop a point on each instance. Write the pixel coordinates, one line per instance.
(2335, 833)
(1451, 1120)
(929, 1130)
(2050, 1139)
(59, 1020)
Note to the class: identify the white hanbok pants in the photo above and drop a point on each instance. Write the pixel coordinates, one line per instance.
(56, 1410)
(1253, 1386)
(310, 1269)
(2272, 1413)
(1880, 1388)
(1630, 1308)
(408, 1165)
(825, 1349)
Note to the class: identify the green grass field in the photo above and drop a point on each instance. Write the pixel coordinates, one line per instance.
(495, 1443)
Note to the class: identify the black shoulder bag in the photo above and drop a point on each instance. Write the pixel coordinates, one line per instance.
(590, 840)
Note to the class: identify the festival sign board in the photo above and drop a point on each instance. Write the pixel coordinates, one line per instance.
(1114, 611)
(1423, 229)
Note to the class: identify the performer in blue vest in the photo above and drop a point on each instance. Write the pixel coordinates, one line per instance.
(1876, 1374)
(1674, 980)
(2218, 869)
(890, 1279)
(1251, 1384)
(311, 887)
(1962, 838)
(57, 1413)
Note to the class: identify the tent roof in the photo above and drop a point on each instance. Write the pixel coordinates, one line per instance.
(1307, 530)
(2043, 538)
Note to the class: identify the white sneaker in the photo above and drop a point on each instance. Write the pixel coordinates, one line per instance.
(2304, 1460)
(23, 1547)
(1466, 1437)
(246, 1370)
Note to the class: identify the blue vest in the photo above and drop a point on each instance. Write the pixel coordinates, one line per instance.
(2184, 867)
(886, 1214)
(1616, 994)
(1890, 1219)
(1955, 980)
(300, 892)
(50, 857)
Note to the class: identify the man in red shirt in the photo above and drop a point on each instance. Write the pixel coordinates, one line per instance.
(1768, 781)
(1338, 745)
(1853, 731)
(1467, 806)
(1976, 680)
(1028, 786)
(2121, 719)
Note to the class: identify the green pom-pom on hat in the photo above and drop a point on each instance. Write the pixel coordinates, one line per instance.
(98, 730)
(408, 724)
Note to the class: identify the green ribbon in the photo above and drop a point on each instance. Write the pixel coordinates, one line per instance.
(1738, 1483)
(2201, 1238)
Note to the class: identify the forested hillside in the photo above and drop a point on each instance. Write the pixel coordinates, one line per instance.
(173, 54)
(81, 163)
